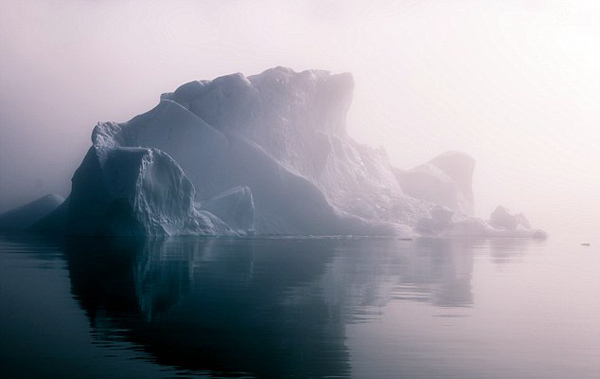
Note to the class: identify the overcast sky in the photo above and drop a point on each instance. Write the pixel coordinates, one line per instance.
(514, 83)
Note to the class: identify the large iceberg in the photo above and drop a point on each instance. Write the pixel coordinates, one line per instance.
(281, 136)
(264, 154)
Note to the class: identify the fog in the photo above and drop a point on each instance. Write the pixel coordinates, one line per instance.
(515, 84)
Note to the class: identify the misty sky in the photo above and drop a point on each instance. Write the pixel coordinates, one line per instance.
(514, 83)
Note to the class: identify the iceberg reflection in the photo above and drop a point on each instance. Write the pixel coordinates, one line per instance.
(259, 307)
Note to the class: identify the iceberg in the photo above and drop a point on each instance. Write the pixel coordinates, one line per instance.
(443, 222)
(445, 180)
(26, 216)
(281, 136)
(501, 218)
(266, 154)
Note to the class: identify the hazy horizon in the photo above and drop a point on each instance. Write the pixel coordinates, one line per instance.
(515, 85)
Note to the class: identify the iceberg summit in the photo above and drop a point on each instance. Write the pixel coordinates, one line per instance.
(266, 154)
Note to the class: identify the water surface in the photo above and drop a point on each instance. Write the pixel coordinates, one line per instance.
(302, 308)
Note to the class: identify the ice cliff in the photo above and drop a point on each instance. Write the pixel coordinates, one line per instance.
(265, 154)
(135, 191)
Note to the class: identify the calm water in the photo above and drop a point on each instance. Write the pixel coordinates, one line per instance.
(303, 308)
